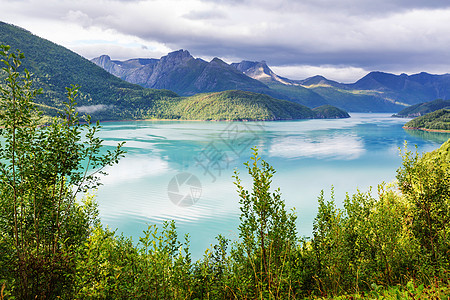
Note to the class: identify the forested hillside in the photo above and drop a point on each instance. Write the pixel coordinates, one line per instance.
(55, 68)
(239, 105)
(437, 120)
(421, 109)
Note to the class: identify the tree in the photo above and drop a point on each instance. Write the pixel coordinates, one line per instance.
(425, 183)
(267, 230)
(42, 171)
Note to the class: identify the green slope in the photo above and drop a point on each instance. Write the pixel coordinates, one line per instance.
(297, 94)
(55, 67)
(356, 100)
(350, 100)
(437, 120)
(330, 112)
(421, 109)
(239, 105)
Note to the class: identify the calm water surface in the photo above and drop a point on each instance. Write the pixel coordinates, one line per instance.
(308, 155)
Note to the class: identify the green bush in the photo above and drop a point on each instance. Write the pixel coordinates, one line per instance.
(42, 169)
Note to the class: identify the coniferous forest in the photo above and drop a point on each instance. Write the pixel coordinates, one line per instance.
(392, 242)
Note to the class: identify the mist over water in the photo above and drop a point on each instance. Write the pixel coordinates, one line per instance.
(309, 156)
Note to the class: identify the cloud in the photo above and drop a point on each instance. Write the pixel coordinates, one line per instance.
(380, 35)
(337, 73)
(204, 15)
(78, 17)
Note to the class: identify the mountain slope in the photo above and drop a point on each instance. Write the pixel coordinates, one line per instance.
(107, 97)
(377, 91)
(289, 89)
(329, 112)
(55, 67)
(316, 91)
(410, 89)
(421, 109)
(240, 105)
(179, 71)
(435, 121)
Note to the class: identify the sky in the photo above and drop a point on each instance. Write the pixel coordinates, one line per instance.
(342, 40)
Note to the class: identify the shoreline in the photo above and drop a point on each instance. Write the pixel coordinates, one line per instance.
(243, 120)
(425, 129)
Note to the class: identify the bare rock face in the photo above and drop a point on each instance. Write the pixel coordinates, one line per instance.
(261, 71)
(180, 72)
(106, 63)
(136, 70)
(175, 71)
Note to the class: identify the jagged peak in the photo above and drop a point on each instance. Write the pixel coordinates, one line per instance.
(102, 60)
(177, 55)
(104, 56)
(217, 60)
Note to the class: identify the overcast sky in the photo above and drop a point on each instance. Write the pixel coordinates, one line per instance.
(340, 39)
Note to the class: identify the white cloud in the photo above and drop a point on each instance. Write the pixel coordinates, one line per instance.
(339, 74)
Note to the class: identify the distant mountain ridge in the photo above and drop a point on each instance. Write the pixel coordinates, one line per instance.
(421, 109)
(318, 90)
(385, 88)
(180, 72)
(375, 92)
(107, 97)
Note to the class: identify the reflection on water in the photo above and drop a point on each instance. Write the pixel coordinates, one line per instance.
(439, 137)
(308, 155)
(344, 147)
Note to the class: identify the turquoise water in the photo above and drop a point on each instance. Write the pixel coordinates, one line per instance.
(183, 171)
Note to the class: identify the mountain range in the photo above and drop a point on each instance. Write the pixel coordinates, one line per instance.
(422, 109)
(179, 71)
(107, 97)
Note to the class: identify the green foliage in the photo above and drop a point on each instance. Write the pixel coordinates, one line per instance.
(391, 239)
(330, 112)
(42, 169)
(356, 100)
(295, 93)
(425, 183)
(437, 120)
(239, 105)
(267, 232)
(111, 267)
(392, 245)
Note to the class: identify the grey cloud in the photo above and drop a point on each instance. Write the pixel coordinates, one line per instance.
(381, 35)
(205, 15)
(368, 7)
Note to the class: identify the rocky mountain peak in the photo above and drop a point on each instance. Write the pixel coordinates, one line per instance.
(218, 61)
(102, 60)
(254, 69)
(259, 70)
(177, 57)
